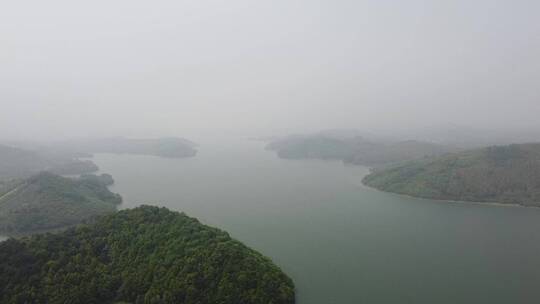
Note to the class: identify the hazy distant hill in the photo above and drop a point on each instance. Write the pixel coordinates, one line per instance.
(471, 138)
(163, 147)
(16, 162)
(20, 163)
(143, 255)
(350, 148)
(47, 201)
(504, 174)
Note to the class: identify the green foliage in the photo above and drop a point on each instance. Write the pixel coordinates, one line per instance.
(164, 147)
(503, 174)
(355, 150)
(47, 201)
(18, 163)
(74, 167)
(143, 255)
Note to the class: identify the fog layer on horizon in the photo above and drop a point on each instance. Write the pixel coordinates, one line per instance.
(177, 68)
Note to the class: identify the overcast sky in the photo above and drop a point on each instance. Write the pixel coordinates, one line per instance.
(161, 68)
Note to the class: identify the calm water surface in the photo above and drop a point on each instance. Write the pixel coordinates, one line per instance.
(340, 241)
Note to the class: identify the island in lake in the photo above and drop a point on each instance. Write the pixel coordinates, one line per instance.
(143, 255)
(507, 174)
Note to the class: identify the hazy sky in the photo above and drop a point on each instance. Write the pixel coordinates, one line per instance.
(152, 68)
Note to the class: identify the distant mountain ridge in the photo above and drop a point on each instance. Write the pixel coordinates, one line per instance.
(500, 174)
(350, 147)
(171, 147)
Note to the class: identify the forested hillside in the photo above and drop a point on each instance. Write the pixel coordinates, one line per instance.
(143, 255)
(171, 147)
(21, 163)
(47, 201)
(355, 150)
(503, 174)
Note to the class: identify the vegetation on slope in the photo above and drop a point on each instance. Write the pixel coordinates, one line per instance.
(143, 255)
(300, 147)
(74, 167)
(20, 163)
(355, 150)
(47, 201)
(171, 147)
(503, 174)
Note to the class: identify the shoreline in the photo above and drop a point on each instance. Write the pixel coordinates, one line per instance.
(495, 204)
(370, 169)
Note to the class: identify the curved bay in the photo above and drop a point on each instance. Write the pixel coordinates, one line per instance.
(342, 242)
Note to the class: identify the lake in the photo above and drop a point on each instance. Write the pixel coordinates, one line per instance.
(342, 242)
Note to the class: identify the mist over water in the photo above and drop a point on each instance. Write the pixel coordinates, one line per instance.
(456, 74)
(340, 241)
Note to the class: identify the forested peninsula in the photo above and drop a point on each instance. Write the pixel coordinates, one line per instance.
(507, 174)
(143, 255)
